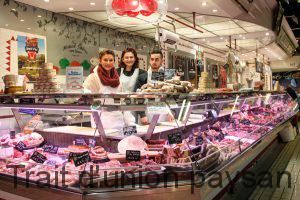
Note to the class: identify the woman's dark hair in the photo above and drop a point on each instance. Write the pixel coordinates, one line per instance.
(136, 63)
(105, 52)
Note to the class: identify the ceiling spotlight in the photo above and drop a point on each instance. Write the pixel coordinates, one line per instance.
(240, 35)
(22, 20)
(203, 39)
(267, 33)
(28, 28)
(71, 8)
(244, 38)
(215, 10)
(6, 24)
(221, 38)
(204, 3)
(13, 9)
(236, 20)
(39, 16)
(176, 8)
(47, 1)
(92, 3)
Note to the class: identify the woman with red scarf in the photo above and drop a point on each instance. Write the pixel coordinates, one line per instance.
(105, 80)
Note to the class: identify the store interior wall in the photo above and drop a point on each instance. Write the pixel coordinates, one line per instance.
(68, 37)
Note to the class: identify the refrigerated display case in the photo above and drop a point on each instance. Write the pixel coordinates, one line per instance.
(190, 138)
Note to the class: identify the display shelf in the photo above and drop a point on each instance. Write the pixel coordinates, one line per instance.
(231, 150)
(184, 189)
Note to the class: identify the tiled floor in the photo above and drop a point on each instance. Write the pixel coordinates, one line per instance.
(289, 161)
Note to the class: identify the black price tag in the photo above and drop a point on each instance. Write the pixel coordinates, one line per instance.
(175, 138)
(50, 148)
(104, 160)
(132, 155)
(80, 142)
(80, 159)
(129, 130)
(92, 142)
(20, 146)
(27, 101)
(38, 158)
(72, 155)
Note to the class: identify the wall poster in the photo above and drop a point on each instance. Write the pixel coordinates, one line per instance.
(31, 56)
(21, 53)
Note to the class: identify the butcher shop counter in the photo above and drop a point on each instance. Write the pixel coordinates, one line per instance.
(239, 132)
(185, 189)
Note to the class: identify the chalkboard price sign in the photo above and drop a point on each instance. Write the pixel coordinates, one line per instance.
(132, 155)
(50, 148)
(38, 157)
(20, 146)
(175, 138)
(82, 158)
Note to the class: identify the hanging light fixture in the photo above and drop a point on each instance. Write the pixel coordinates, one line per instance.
(136, 12)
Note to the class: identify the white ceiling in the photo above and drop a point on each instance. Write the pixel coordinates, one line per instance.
(216, 30)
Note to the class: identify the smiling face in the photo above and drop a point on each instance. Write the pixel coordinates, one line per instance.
(107, 61)
(155, 62)
(129, 59)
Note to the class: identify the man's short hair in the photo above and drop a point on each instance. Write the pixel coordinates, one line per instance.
(157, 51)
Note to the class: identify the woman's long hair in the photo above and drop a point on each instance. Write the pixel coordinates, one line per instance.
(136, 63)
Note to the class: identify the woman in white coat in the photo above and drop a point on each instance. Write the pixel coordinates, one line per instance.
(105, 80)
(131, 77)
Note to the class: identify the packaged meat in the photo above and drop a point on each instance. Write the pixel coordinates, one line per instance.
(30, 140)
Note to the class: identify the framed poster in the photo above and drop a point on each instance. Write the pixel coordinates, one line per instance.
(13, 44)
(31, 56)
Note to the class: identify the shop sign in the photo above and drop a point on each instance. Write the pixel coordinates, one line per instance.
(74, 79)
(285, 42)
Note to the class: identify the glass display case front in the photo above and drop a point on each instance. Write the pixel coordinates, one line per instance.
(85, 143)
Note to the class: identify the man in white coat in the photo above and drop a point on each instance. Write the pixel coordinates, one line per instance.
(156, 60)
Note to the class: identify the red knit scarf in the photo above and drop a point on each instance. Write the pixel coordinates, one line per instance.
(110, 78)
